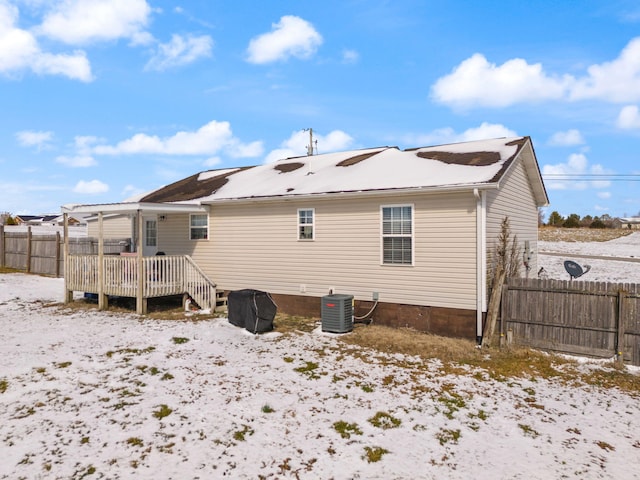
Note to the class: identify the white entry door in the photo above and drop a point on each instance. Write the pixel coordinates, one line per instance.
(149, 235)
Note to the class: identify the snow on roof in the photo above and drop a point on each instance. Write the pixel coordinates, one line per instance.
(215, 173)
(461, 165)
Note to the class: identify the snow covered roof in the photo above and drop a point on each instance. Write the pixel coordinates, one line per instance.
(455, 166)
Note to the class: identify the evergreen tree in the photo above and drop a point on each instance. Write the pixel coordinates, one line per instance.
(555, 219)
(572, 221)
(586, 221)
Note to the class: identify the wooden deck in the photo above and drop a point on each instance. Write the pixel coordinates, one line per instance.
(138, 277)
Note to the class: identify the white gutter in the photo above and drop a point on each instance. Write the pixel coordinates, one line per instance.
(131, 208)
(481, 259)
(359, 193)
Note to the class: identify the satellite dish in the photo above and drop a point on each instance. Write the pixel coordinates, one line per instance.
(575, 270)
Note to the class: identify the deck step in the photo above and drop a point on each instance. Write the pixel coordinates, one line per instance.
(221, 299)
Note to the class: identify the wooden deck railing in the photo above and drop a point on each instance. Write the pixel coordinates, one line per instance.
(160, 276)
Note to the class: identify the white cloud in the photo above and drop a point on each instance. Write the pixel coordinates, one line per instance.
(629, 117)
(78, 22)
(350, 56)
(78, 161)
(91, 187)
(29, 138)
(236, 149)
(180, 51)
(615, 81)
(566, 139)
(577, 166)
(448, 135)
(130, 191)
(476, 82)
(296, 144)
(210, 139)
(604, 195)
(83, 143)
(19, 50)
(212, 162)
(291, 37)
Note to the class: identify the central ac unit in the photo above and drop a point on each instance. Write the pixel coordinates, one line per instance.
(337, 313)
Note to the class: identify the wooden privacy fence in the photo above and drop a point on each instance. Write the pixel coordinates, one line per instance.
(597, 319)
(44, 254)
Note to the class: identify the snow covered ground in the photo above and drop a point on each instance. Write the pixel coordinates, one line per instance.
(602, 270)
(88, 394)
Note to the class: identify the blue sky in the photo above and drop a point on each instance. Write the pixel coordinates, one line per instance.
(104, 99)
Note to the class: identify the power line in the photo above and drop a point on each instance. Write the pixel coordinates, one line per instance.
(594, 177)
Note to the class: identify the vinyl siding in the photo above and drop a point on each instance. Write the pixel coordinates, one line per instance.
(118, 226)
(255, 245)
(173, 235)
(514, 200)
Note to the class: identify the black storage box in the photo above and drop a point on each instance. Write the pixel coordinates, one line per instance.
(251, 309)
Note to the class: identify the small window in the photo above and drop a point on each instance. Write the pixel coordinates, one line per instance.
(397, 235)
(151, 233)
(199, 227)
(305, 224)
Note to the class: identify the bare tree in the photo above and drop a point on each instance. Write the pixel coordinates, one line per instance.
(506, 264)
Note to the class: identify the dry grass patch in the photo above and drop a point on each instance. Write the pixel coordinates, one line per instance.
(411, 342)
(555, 234)
(10, 270)
(290, 323)
(499, 364)
(616, 376)
(161, 308)
(519, 362)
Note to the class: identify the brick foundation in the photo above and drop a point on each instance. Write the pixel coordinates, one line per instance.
(448, 322)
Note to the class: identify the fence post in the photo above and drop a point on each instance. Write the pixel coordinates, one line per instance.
(68, 294)
(58, 254)
(29, 240)
(103, 302)
(503, 312)
(1, 246)
(620, 328)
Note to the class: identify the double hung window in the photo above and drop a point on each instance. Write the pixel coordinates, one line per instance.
(198, 226)
(397, 235)
(306, 219)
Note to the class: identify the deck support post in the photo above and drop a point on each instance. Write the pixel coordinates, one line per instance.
(68, 294)
(1, 246)
(141, 302)
(103, 302)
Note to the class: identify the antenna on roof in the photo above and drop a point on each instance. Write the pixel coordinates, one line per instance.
(310, 146)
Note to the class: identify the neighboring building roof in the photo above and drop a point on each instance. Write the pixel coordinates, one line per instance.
(466, 165)
(36, 219)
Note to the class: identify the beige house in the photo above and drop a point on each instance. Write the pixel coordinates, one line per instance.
(412, 229)
(632, 223)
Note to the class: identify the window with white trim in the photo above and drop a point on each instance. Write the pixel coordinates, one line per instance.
(306, 219)
(397, 234)
(198, 226)
(151, 233)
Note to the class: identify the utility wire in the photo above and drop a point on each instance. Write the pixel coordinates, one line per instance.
(632, 177)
